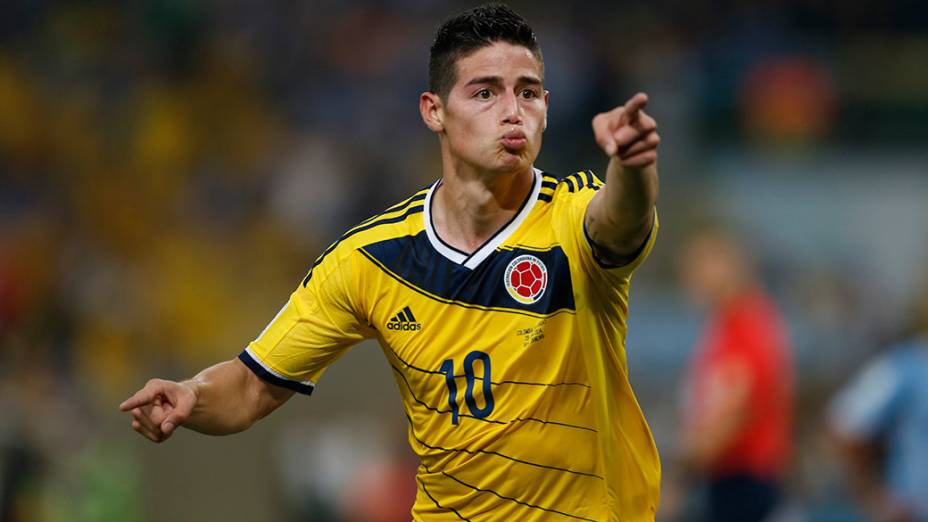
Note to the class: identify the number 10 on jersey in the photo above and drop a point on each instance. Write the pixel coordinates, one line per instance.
(447, 368)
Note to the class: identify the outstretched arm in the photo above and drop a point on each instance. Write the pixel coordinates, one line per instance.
(222, 399)
(620, 216)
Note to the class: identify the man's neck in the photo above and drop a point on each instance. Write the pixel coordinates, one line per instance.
(469, 207)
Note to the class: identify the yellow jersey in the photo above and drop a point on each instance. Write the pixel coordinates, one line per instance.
(510, 360)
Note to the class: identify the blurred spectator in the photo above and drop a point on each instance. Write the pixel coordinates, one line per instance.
(880, 424)
(738, 413)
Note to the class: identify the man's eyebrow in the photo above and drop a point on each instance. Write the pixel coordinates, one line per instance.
(485, 79)
(530, 80)
(496, 80)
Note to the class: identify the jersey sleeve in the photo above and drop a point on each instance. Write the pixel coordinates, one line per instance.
(571, 198)
(316, 326)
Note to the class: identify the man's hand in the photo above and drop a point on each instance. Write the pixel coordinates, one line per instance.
(223, 399)
(160, 407)
(628, 133)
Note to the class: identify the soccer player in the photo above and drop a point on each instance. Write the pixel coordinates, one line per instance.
(499, 295)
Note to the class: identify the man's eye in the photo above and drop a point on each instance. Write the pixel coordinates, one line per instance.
(528, 93)
(483, 94)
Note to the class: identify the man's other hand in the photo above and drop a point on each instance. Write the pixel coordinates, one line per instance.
(159, 407)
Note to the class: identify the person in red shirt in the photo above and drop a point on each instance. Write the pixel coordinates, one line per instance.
(738, 413)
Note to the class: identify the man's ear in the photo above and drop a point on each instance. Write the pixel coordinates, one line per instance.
(432, 111)
(544, 123)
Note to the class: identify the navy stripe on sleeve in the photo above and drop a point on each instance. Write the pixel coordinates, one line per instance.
(264, 374)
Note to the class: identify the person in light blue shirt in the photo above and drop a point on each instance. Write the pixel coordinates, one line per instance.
(880, 422)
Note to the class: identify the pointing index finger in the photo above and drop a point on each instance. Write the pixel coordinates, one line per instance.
(635, 104)
(141, 397)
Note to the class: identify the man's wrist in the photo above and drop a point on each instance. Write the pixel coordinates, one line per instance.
(194, 386)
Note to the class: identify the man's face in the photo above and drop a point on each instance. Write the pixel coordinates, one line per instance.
(497, 109)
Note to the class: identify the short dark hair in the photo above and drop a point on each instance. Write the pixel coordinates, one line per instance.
(471, 30)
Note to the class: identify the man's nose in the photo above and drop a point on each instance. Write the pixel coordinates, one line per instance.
(512, 111)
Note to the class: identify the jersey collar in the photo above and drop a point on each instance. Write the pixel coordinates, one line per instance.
(471, 261)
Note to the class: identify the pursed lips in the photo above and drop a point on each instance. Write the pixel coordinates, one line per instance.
(513, 139)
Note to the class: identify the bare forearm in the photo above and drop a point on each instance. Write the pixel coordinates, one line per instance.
(629, 197)
(230, 398)
(621, 216)
(222, 399)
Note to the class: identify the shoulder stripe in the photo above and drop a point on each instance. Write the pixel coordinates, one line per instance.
(419, 196)
(579, 180)
(576, 180)
(591, 180)
(569, 182)
(547, 183)
(545, 197)
(361, 228)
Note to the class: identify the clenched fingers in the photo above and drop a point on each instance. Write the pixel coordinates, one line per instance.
(149, 420)
(630, 133)
(648, 142)
(146, 432)
(640, 160)
(624, 126)
(146, 419)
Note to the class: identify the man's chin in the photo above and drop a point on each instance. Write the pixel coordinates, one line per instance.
(512, 159)
(504, 162)
(508, 167)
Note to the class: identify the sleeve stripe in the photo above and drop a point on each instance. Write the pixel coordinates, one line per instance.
(631, 258)
(266, 373)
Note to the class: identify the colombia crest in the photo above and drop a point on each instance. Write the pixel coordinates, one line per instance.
(526, 279)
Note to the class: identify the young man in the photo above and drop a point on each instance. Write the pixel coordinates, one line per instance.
(499, 295)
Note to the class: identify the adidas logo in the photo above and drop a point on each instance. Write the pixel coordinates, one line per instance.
(404, 321)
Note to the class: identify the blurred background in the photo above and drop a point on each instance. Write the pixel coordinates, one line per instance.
(169, 170)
